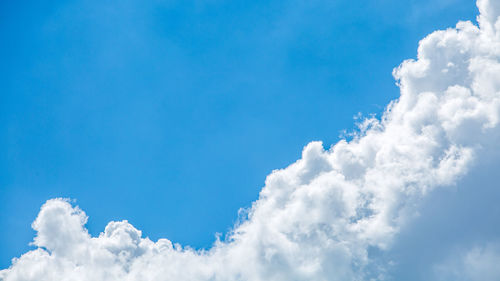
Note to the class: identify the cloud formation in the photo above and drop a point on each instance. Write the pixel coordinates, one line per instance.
(480, 263)
(324, 216)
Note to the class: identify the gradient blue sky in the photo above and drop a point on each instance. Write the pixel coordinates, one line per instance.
(171, 113)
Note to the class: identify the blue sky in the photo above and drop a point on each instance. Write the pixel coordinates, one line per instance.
(171, 113)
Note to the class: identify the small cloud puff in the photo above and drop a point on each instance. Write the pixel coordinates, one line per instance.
(479, 263)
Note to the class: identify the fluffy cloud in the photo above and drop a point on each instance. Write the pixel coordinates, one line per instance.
(324, 216)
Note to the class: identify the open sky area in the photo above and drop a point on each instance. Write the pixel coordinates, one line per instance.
(171, 114)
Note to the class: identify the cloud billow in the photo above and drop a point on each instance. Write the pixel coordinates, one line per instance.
(323, 216)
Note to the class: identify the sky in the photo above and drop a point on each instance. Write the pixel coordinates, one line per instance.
(171, 114)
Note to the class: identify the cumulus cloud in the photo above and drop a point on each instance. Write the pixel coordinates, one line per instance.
(322, 217)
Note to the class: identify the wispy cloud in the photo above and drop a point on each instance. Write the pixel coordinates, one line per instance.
(479, 263)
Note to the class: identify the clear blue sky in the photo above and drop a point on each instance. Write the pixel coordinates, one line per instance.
(171, 113)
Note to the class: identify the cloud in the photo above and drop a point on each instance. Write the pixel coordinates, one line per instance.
(480, 263)
(327, 215)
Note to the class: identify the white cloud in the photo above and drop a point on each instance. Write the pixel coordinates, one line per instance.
(321, 217)
(480, 263)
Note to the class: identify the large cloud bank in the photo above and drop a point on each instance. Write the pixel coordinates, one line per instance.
(324, 216)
